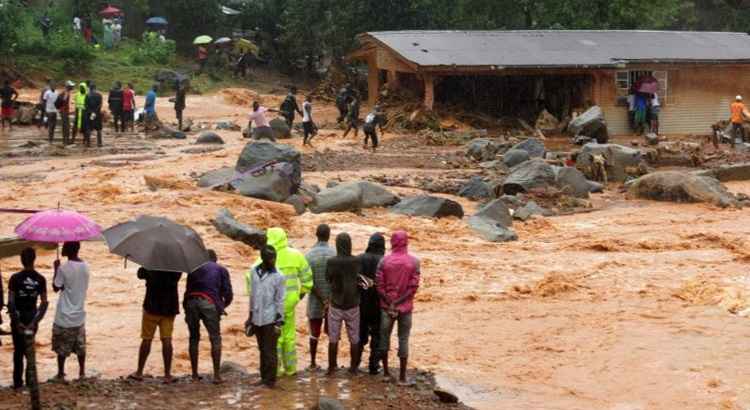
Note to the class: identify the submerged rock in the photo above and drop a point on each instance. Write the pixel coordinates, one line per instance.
(229, 226)
(429, 206)
(677, 186)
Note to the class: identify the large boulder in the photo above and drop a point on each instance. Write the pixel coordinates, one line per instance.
(257, 153)
(726, 173)
(482, 149)
(492, 232)
(531, 209)
(221, 176)
(513, 157)
(226, 223)
(327, 403)
(353, 196)
(572, 182)
(209, 137)
(534, 146)
(678, 186)
(429, 206)
(535, 173)
(274, 183)
(620, 160)
(475, 189)
(280, 129)
(590, 124)
(25, 114)
(497, 212)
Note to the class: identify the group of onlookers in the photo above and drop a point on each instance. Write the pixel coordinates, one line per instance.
(367, 295)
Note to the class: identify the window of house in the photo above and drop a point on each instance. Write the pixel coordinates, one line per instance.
(624, 80)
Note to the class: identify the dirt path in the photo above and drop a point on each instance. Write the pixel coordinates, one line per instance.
(627, 307)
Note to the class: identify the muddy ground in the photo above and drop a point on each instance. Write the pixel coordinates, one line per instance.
(637, 305)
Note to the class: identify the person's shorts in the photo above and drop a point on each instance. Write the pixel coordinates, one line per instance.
(151, 322)
(308, 127)
(67, 340)
(197, 310)
(350, 317)
(263, 133)
(7, 112)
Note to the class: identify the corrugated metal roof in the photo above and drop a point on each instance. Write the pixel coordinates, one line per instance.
(563, 48)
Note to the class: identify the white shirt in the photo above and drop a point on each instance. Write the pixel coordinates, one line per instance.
(259, 117)
(655, 101)
(306, 111)
(631, 102)
(370, 118)
(73, 276)
(49, 101)
(77, 23)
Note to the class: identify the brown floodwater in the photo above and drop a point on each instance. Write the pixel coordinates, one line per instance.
(638, 305)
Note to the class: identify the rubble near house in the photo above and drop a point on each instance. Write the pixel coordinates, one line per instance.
(678, 186)
(620, 162)
(590, 125)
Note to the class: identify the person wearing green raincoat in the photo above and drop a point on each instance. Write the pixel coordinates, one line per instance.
(80, 101)
(292, 264)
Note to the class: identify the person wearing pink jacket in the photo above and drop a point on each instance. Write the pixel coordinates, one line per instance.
(397, 281)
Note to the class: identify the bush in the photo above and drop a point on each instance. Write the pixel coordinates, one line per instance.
(153, 50)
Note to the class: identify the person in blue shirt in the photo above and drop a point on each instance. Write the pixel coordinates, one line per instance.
(150, 108)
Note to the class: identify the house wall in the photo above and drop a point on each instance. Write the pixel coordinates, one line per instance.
(697, 97)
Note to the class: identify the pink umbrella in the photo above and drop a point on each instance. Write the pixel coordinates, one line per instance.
(58, 225)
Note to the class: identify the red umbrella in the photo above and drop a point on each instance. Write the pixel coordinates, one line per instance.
(110, 11)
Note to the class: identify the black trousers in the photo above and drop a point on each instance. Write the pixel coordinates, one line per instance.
(289, 119)
(21, 351)
(269, 360)
(373, 135)
(119, 120)
(51, 124)
(65, 117)
(369, 329)
(178, 114)
(737, 131)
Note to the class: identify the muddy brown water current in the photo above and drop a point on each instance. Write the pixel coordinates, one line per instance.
(639, 305)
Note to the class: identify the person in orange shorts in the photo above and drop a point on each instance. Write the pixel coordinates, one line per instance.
(160, 306)
(8, 96)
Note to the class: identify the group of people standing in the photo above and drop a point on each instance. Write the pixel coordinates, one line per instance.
(367, 295)
(348, 104)
(643, 112)
(88, 103)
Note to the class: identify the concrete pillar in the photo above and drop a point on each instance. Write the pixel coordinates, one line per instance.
(373, 80)
(429, 91)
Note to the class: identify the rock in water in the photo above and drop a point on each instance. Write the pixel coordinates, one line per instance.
(475, 189)
(619, 158)
(482, 149)
(260, 152)
(229, 226)
(168, 133)
(228, 126)
(327, 403)
(514, 157)
(572, 182)
(280, 129)
(215, 178)
(681, 187)
(429, 206)
(275, 183)
(298, 202)
(209, 137)
(497, 212)
(353, 196)
(445, 396)
(535, 173)
(652, 139)
(533, 146)
(529, 210)
(491, 232)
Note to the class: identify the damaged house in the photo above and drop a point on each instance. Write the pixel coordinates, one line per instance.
(520, 73)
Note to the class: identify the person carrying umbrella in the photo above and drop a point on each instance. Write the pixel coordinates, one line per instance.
(292, 264)
(71, 280)
(160, 307)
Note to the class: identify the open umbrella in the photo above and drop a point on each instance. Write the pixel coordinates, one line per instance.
(110, 11)
(246, 46)
(156, 21)
(223, 41)
(202, 40)
(157, 244)
(58, 225)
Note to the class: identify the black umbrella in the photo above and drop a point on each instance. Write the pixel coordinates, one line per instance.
(157, 244)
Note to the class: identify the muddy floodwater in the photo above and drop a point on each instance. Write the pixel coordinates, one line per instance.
(637, 305)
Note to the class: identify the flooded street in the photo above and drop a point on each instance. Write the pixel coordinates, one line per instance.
(637, 305)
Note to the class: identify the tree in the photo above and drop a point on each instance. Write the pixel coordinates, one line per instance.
(191, 18)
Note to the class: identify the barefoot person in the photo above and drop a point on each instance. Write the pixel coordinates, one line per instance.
(397, 282)
(317, 304)
(160, 306)
(207, 294)
(266, 317)
(25, 288)
(69, 330)
(308, 126)
(342, 273)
